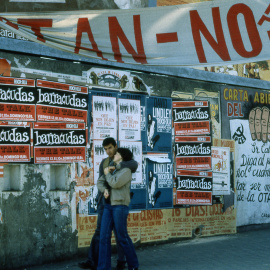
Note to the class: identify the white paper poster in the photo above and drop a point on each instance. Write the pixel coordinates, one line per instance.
(252, 176)
(221, 170)
(104, 117)
(136, 149)
(129, 119)
(99, 154)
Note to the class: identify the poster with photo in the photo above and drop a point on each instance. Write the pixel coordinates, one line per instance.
(15, 141)
(59, 142)
(159, 124)
(194, 187)
(221, 170)
(129, 118)
(60, 102)
(104, 117)
(142, 99)
(159, 185)
(17, 99)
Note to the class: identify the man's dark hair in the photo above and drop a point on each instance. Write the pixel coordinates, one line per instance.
(125, 153)
(108, 141)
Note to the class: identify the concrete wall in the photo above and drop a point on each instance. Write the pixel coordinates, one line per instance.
(38, 222)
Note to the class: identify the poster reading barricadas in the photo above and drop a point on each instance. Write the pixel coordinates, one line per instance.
(59, 102)
(17, 99)
(193, 152)
(191, 118)
(194, 187)
(59, 142)
(15, 142)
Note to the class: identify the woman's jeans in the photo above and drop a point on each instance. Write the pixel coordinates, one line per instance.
(115, 217)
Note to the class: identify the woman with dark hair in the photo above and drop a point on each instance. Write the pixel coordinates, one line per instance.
(115, 185)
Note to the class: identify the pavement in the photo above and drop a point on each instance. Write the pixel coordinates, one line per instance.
(248, 250)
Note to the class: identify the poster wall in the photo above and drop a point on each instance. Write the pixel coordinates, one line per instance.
(163, 224)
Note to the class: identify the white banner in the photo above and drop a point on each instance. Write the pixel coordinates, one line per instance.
(209, 33)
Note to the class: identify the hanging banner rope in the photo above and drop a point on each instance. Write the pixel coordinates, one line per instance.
(211, 33)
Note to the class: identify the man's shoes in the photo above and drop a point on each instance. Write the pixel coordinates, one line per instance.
(87, 265)
(120, 265)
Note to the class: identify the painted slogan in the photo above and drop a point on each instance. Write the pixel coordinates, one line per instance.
(246, 112)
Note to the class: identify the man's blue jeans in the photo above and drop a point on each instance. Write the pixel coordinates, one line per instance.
(93, 252)
(115, 217)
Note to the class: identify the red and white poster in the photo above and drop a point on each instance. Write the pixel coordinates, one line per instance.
(104, 117)
(59, 102)
(59, 142)
(193, 152)
(15, 139)
(191, 118)
(17, 99)
(194, 187)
